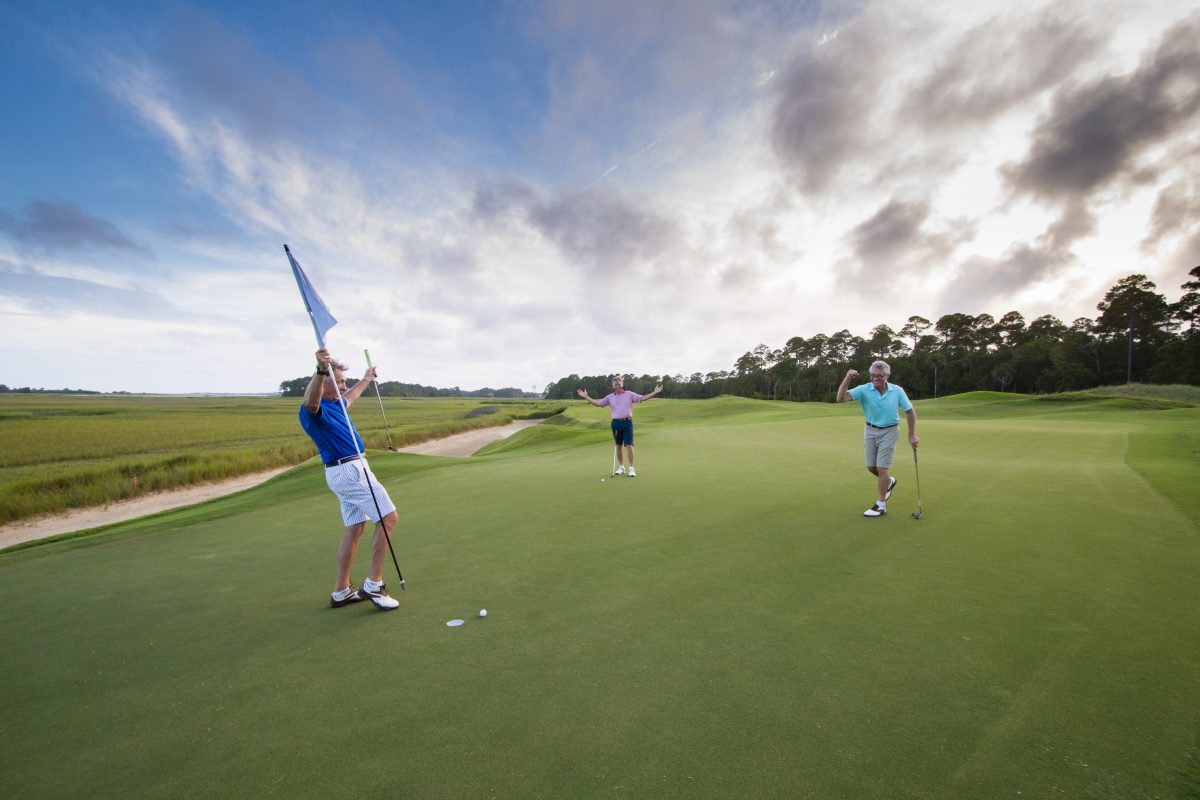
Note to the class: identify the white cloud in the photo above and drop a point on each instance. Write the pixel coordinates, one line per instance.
(705, 186)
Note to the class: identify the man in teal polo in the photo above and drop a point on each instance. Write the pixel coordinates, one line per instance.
(881, 403)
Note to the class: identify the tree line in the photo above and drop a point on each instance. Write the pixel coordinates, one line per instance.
(296, 387)
(1138, 336)
(4, 389)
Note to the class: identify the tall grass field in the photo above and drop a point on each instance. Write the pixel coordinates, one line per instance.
(70, 451)
(725, 625)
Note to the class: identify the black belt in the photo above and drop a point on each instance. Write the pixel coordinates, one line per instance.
(623, 419)
(876, 427)
(340, 461)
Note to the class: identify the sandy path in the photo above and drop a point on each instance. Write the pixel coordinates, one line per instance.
(460, 444)
(465, 444)
(84, 518)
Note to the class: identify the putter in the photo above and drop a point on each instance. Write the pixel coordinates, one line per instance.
(614, 470)
(920, 509)
(380, 399)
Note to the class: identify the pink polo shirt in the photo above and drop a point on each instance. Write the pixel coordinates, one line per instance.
(621, 404)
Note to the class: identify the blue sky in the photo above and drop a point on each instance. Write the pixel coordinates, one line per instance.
(504, 193)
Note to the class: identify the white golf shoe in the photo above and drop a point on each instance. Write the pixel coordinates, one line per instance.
(379, 596)
(620, 470)
(877, 510)
(632, 472)
(891, 486)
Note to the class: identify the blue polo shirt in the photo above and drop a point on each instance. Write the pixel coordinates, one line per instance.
(330, 431)
(881, 410)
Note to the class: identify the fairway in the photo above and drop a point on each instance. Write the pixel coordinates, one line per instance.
(727, 624)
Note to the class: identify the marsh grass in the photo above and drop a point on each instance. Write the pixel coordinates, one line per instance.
(66, 451)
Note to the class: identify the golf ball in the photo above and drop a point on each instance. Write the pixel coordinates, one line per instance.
(602, 480)
(483, 612)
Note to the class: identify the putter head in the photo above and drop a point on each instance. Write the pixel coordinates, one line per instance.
(917, 514)
(403, 588)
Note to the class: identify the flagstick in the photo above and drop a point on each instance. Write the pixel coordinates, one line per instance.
(301, 281)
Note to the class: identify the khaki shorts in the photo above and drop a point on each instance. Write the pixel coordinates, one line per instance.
(880, 445)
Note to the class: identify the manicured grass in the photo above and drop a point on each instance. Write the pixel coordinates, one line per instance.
(724, 625)
(70, 451)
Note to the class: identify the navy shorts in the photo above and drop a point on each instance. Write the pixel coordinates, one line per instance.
(622, 430)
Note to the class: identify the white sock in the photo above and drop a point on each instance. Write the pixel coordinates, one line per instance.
(881, 504)
(341, 595)
(372, 585)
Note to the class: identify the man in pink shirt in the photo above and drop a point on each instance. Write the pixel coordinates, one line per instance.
(620, 402)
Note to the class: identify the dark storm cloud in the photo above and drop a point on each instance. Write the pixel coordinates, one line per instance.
(600, 232)
(1176, 211)
(894, 228)
(1097, 132)
(58, 226)
(50, 294)
(1174, 235)
(897, 239)
(983, 282)
(824, 113)
(1075, 222)
(998, 65)
(604, 232)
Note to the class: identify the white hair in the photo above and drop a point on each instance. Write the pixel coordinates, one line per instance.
(882, 366)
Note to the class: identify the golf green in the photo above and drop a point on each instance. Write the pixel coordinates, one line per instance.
(726, 624)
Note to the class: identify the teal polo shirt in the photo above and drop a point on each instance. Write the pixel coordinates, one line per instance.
(881, 410)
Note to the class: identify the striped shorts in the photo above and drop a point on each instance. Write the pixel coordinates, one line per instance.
(349, 482)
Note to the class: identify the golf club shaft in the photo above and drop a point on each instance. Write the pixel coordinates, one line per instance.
(380, 399)
(917, 469)
(386, 535)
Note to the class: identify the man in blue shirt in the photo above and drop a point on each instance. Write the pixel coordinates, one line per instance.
(881, 403)
(362, 497)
